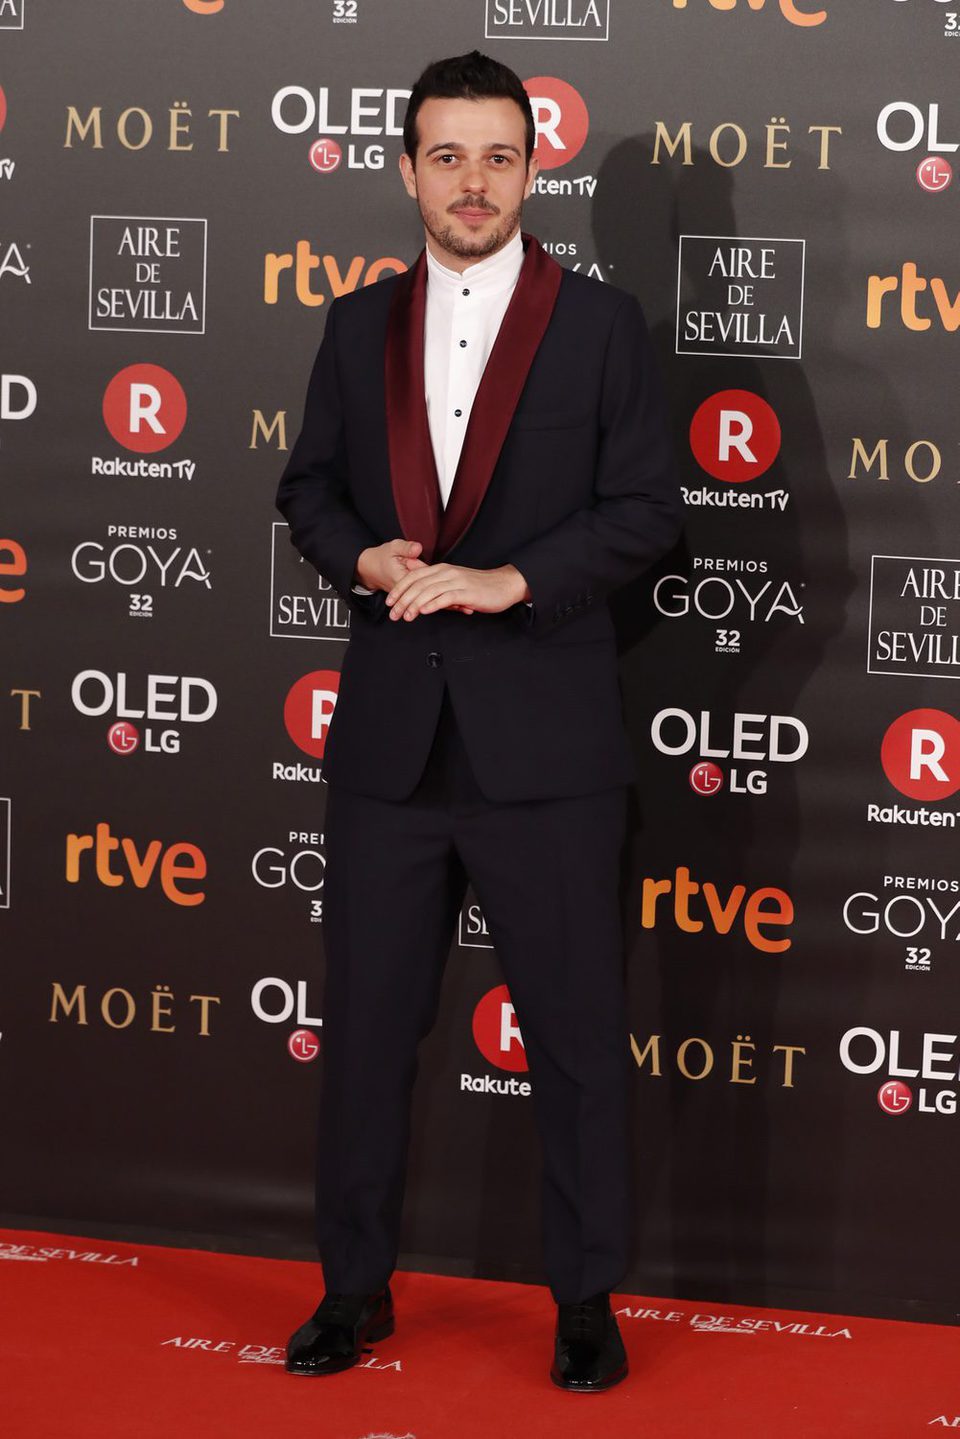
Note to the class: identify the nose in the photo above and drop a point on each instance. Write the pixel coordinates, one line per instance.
(474, 180)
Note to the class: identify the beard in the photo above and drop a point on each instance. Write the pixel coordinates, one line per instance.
(467, 247)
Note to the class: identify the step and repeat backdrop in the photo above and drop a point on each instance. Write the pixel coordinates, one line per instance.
(185, 185)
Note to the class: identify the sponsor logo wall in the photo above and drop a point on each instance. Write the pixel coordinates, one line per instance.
(790, 674)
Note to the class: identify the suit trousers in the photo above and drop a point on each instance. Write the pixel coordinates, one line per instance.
(546, 874)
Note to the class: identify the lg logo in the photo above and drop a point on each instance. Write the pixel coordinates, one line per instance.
(894, 1097)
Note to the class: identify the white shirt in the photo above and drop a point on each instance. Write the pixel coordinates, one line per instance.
(463, 317)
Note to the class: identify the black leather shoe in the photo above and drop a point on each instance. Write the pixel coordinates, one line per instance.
(588, 1351)
(334, 1336)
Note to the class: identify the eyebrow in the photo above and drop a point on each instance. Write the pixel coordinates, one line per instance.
(455, 145)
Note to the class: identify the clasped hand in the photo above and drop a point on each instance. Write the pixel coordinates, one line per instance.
(414, 587)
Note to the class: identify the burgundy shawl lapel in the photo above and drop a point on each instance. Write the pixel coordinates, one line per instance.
(413, 473)
(504, 376)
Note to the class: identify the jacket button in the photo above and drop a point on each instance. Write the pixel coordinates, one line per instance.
(434, 659)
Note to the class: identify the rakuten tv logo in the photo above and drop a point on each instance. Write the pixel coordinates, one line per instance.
(497, 1036)
(735, 436)
(561, 120)
(145, 408)
(497, 1033)
(920, 754)
(308, 710)
(112, 862)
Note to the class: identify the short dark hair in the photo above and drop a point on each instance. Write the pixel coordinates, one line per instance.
(466, 77)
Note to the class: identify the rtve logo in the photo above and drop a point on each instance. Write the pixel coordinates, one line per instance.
(911, 285)
(179, 864)
(302, 262)
(735, 436)
(13, 564)
(764, 907)
(789, 9)
(308, 710)
(920, 754)
(144, 408)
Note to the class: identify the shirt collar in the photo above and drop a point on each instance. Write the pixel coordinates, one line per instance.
(497, 272)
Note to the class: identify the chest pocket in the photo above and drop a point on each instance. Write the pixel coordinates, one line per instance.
(555, 419)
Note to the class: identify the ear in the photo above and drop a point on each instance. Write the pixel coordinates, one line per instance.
(532, 170)
(408, 175)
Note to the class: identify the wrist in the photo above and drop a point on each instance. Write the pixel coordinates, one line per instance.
(360, 574)
(521, 590)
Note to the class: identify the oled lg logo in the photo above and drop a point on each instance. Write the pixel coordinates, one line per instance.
(296, 110)
(164, 701)
(749, 739)
(496, 1034)
(145, 410)
(902, 127)
(307, 714)
(934, 1060)
(735, 437)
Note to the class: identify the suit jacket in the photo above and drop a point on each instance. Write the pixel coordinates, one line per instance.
(567, 473)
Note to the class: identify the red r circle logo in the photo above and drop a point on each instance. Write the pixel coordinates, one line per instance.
(920, 754)
(735, 436)
(308, 710)
(144, 408)
(496, 1032)
(561, 120)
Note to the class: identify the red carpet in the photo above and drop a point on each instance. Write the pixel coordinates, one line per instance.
(183, 1343)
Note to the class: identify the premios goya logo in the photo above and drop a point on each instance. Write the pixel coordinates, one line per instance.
(144, 560)
(914, 914)
(298, 863)
(732, 595)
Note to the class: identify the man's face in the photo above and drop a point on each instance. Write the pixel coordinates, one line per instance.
(471, 176)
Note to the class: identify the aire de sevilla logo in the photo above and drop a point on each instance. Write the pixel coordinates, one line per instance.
(735, 436)
(496, 1032)
(308, 710)
(145, 408)
(920, 754)
(561, 120)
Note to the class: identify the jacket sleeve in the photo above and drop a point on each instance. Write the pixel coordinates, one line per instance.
(638, 512)
(312, 495)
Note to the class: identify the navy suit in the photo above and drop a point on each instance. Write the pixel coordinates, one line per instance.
(488, 747)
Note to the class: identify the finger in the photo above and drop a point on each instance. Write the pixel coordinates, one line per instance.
(412, 577)
(423, 588)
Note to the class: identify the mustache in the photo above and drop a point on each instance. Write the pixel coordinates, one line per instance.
(474, 205)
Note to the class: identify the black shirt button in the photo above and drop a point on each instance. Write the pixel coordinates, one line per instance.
(466, 292)
(463, 344)
(458, 413)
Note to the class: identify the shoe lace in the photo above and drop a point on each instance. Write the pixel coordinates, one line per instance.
(581, 1320)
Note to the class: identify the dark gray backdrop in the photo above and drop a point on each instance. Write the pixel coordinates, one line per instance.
(771, 1164)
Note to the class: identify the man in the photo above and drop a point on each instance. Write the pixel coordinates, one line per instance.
(483, 459)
